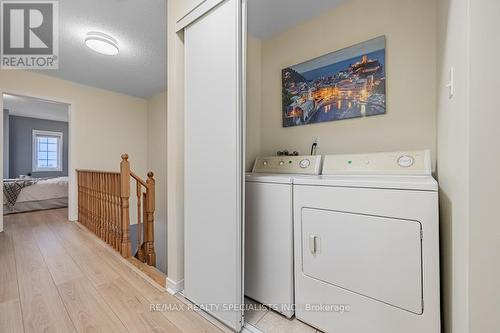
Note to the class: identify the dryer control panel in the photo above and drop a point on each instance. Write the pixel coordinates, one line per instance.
(308, 165)
(392, 163)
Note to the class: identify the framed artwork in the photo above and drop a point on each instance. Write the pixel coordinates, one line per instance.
(344, 84)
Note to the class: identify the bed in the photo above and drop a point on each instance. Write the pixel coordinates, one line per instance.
(35, 194)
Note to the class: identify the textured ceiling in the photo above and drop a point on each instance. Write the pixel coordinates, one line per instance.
(140, 26)
(267, 18)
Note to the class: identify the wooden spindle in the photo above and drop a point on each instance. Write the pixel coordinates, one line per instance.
(138, 191)
(91, 202)
(104, 209)
(101, 207)
(105, 206)
(144, 226)
(150, 209)
(98, 203)
(114, 234)
(125, 205)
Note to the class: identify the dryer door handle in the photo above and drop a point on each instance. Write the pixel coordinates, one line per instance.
(314, 244)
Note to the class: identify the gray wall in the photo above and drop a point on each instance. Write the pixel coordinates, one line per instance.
(5, 144)
(21, 141)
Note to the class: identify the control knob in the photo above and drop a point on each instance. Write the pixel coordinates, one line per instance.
(305, 163)
(406, 161)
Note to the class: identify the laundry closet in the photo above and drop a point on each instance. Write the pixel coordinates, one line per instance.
(299, 140)
(324, 173)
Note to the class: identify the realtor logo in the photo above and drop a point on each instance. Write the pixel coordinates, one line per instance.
(30, 34)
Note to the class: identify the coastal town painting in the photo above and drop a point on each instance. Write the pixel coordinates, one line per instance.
(345, 84)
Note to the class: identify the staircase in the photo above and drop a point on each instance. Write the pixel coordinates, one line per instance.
(104, 209)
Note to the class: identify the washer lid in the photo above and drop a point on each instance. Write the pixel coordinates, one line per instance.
(420, 183)
(269, 178)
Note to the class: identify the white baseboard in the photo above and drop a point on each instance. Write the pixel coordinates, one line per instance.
(248, 328)
(173, 287)
(214, 321)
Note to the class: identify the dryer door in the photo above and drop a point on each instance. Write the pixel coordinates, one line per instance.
(376, 257)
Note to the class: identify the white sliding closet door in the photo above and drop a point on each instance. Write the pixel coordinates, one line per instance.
(214, 163)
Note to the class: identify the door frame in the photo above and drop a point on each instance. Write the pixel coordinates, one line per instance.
(72, 186)
(204, 7)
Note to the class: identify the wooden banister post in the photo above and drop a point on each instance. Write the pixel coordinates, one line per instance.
(149, 223)
(126, 247)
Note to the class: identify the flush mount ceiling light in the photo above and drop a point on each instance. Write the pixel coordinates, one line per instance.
(102, 43)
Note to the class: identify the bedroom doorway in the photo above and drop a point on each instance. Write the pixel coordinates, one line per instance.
(36, 154)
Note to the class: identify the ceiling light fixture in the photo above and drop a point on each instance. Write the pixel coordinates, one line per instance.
(102, 43)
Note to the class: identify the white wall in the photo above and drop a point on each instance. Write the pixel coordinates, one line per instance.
(468, 164)
(5, 128)
(157, 162)
(253, 100)
(175, 143)
(410, 122)
(453, 162)
(103, 124)
(484, 227)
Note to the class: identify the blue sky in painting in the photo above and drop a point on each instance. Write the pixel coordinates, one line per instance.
(340, 60)
(339, 66)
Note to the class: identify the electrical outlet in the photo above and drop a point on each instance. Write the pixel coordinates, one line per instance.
(315, 145)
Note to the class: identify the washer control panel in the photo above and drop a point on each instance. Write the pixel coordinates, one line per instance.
(392, 163)
(307, 164)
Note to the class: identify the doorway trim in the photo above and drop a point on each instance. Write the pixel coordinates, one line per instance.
(204, 7)
(72, 186)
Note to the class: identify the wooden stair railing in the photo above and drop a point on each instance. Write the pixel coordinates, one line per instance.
(104, 209)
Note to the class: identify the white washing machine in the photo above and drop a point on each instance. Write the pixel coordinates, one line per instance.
(269, 229)
(367, 245)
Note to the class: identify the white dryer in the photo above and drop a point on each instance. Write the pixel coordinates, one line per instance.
(269, 229)
(367, 245)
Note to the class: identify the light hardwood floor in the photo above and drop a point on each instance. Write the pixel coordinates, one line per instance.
(57, 277)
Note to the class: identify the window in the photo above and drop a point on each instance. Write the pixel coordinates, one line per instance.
(47, 151)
